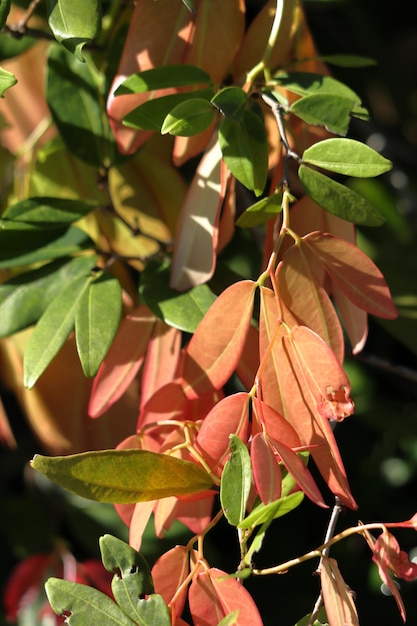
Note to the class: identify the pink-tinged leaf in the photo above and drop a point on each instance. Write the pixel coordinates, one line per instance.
(213, 595)
(248, 363)
(150, 42)
(275, 425)
(161, 359)
(196, 515)
(307, 299)
(166, 403)
(215, 348)
(309, 375)
(168, 574)
(355, 320)
(299, 472)
(122, 361)
(140, 518)
(266, 470)
(388, 553)
(230, 416)
(195, 244)
(338, 598)
(228, 215)
(354, 273)
(197, 409)
(6, 433)
(164, 515)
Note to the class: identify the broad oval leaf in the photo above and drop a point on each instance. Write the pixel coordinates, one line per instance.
(231, 102)
(338, 199)
(236, 482)
(74, 22)
(189, 118)
(84, 602)
(348, 157)
(328, 110)
(48, 212)
(261, 212)
(96, 320)
(162, 78)
(169, 572)
(245, 149)
(52, 330)
(123, 476)
(181, 310)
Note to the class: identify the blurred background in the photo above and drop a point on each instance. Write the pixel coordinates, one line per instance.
(378, 444)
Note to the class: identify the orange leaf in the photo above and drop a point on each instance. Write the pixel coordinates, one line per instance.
(150, 42)
(307, 299)
(168, 573)
(139, 521)
(213, 595)
(338, 600)
(122, 361)
(215, 348)
(266, 470)
(161, 359)
(354, 273)
(196, 238)
(229, 416)
(274, 424)
(248, 363)
(355, 320)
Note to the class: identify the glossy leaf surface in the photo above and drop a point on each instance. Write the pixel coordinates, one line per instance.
(236, 482)
(123, 476)
(189, 118)
(74, 22)
(331, 111)
(348, 157)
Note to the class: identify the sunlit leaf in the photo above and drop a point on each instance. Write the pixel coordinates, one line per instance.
(52, 330)
(169, 572)
(96, 320)
(215, 347)
(24, 298)
(273, 510)
(123, 476)
(346, 156)
(266, 470)
(332, 112)
(74, 22)
(338, 199)
(189, 118)
(260, 212)
(181, 310)
(7, 80)
(236, 482)
(338, 598)
(82, 602)
(151, 114)
(163, 77)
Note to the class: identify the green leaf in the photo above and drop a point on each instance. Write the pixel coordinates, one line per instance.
(236, 482)
(338, 199)
(320, 621)
(24, 244)
(189, 118)
(74, 96)
(332, 112)
(231, 102)
(7, 80)
(261, 212)
(96, 320)
(347, 60)
(24, 298)
(74, 23)
(48, 212)
(230, 618)
(124, 476)
(131, 582)
(245, 150)
(180, 310)
(86, 605)
(163, 78)
(308, 83)
(267, 512)
(348, 157)
(4, 12)
(52, 330)
(151, 114)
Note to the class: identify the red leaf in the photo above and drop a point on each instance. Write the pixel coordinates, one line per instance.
(215, 348)
(307, 299)
(229, 416)
(266, 470)
(161, 359)
(387, 553)
(338, 600)
(354, 273)
(213, 595)
(299, 472)
(195, 244)
(168, 573)
(274, 424)
(122, 361)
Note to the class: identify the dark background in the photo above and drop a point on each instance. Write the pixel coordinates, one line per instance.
(379, 443)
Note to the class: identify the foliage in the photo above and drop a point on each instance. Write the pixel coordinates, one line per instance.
(170, 127)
